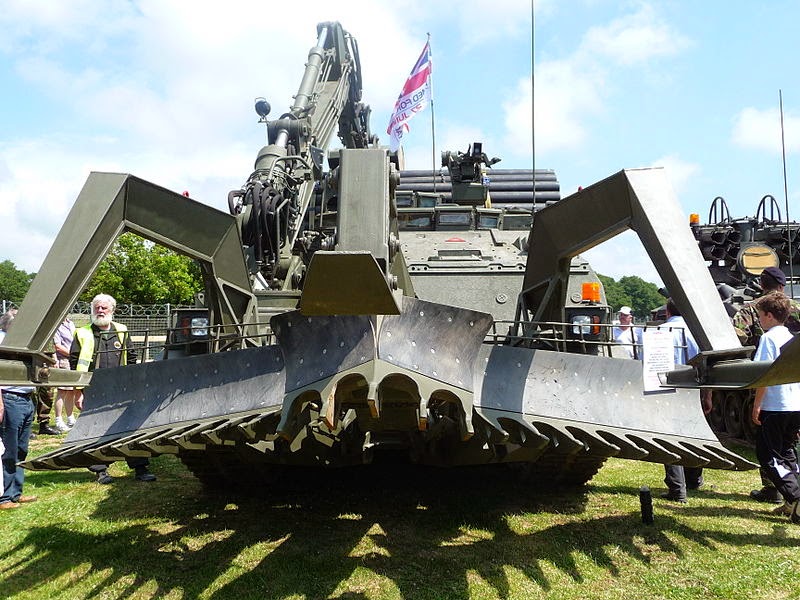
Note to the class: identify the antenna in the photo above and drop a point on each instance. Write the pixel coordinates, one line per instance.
(786, 201)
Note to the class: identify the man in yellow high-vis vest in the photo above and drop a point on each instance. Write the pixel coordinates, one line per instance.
(105, 344)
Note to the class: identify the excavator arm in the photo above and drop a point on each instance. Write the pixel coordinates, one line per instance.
(273, 203)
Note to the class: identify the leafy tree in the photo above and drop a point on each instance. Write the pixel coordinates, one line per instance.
(643, 294)
(615, 294)
(631, 290)
(137, 271)
(14, 283)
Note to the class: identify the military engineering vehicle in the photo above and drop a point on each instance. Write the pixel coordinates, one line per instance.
(349, 315)
(736, 251)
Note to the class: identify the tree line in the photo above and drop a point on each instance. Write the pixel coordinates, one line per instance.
(642, 296)
(135, 271)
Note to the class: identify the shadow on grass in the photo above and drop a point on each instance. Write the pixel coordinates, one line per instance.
(422, 536)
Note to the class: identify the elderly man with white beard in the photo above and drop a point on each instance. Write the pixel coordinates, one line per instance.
(100, 345)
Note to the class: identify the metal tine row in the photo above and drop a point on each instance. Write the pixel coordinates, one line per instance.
(102, 450)
(570, 439)
(562, 440)
(216, 436)
(528, 434)
(60, 457)
(715, 461)
(123, 447)
(594, 442)
(168, 440)
(688, 457)
(723, 454)
(191, 439)
(247, 428)
(627, 448)
(162, 441)
(78, 455)
(565, 438)
(655, 451)
(673, 450)
(196, 436)
(493, 430)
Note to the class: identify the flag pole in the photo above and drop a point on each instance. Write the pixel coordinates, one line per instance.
(433, 128)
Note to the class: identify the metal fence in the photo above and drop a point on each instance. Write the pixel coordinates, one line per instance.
(147, 323)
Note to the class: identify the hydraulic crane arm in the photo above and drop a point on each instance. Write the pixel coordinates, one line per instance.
(274, 201)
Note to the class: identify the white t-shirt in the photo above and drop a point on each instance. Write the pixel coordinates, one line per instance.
(781, 398)
(627, 337)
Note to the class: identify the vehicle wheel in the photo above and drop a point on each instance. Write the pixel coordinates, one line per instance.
(553, 470)
(749, 428)
(716, 418)
(233, 470)
(734, 405)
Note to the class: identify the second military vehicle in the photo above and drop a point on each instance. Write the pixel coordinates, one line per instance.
(736, 251)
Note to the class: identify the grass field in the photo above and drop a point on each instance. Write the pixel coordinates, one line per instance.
(383, 536)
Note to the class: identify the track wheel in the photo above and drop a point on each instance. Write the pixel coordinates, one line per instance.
(716, 418)
(734, 405)
(749, 428)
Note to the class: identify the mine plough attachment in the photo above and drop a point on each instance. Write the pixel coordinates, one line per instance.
(339, 389)
(341, 349)
(336, 391)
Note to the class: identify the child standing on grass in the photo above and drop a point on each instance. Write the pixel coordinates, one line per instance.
(777, 408)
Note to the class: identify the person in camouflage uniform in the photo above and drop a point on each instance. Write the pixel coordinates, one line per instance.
(745, 321)
(44, 404)
(748, 329)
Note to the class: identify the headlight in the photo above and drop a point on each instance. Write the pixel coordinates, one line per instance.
(581, 324)
(199, 326)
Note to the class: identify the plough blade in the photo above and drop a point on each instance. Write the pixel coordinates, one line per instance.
(337, 389)
(164, 406)
(600, 403)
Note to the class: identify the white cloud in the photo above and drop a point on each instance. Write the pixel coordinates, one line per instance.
(761, 130)
(570, 91)
(565, 95)
(621, 256)
(679, 173)
(634, 39)
(173, 102)
(480, 22)
(519, 118)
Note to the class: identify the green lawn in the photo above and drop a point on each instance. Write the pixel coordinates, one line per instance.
(393, 536)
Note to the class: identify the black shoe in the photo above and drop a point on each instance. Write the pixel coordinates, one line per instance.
(769, 495)
(47, 430)
(699, 486)
(103, 478)
(144, 475)
(673, 497)
(794, 516)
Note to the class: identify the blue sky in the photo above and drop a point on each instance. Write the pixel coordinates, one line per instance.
(164, 90)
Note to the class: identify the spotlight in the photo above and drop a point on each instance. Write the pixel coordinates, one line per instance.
(262, 107)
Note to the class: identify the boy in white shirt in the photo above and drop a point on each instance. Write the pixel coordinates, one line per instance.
(777, 408)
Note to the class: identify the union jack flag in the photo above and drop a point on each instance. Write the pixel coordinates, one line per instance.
(413, 99)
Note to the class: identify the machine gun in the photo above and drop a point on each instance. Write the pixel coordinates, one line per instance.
(469, 186)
